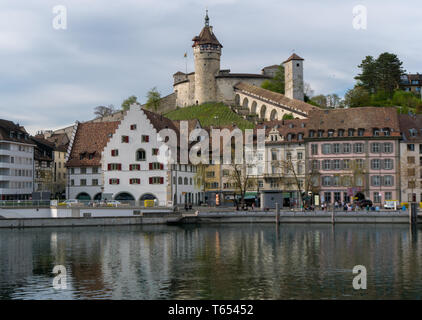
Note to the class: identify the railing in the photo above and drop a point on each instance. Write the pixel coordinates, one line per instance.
(24, 203)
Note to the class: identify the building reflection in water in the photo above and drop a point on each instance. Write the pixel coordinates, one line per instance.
(239, 261)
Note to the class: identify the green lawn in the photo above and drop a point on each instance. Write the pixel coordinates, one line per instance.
(210, 114)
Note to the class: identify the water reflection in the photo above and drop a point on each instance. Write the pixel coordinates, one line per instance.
(239, 261)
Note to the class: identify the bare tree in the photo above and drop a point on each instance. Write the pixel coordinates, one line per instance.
(102, 111)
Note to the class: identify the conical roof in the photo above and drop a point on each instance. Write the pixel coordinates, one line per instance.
(206, 37)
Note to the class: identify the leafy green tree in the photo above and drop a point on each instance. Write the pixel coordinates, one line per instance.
(320, 100)
(153, 99)
(368, 76)
(128, 102)
(275, 84)
(357, 97)
(288, 116)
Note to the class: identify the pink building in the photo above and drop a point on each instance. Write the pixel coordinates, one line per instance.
(354, 153)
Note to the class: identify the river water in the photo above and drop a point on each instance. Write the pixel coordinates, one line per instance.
(230, 261)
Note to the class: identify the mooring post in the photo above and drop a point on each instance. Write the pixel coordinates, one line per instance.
(277, 213)
(413, 213)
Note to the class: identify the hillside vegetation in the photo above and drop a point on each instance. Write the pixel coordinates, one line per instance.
(210, 114)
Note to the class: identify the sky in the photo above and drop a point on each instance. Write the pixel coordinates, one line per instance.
(110, 50)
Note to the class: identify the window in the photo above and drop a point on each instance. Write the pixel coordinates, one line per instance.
(114, 167)
(135, 181)
(375, 181)
(375, 147)
(410, 160)
(156, 166)
(359, 181)
(331, 133)
(388, 164)
(336, 164)
(95, 170)
(411, 172)
(314, 149)
(299, 155)
(311, 133)
(351, 132)
(186, 180)
(326, 165)
(326, 148)
(134, 167)
(388, 147)
(337, 196)
(347, 147)
(410, 147)
(315, 164)
(411, 184)
(388, 181)
(358, 147)
(327, 197)
(336, 148)
(83, 170)
(140, 155)
(72, 182)
(326, 181)
(377, 197)
(359, 163)
(155, 151)
(346, 164)
(180, 180)
(95, 182)
(375, 164)
(336, 181)
(386, 131)
(226, 173)
(376, 132)
(289, 156)
(388, 195)
(114, 153)
(114, 181)
(133, 127)
(83, 182)
(320, 133)
(125, 139)
(145, 138)
(156, 180)
(340, 132)
(72, 171)
(273, 155)
(361, 132)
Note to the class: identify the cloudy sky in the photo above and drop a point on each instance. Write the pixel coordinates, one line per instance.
(113, 49)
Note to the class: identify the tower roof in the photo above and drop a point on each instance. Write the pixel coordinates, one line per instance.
(206, 36)
(294, 56)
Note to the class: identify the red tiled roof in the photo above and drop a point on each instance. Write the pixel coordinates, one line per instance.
(294, 56)
(206, 37)
(408, 123)
(6, 127)
(90, 138)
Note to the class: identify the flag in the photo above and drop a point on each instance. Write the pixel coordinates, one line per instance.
(186, 54)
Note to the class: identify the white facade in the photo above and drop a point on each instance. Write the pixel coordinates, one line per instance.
(134, 167)
(83, 181)
(16, 170)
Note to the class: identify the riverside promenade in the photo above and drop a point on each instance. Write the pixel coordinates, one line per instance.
(110, 216)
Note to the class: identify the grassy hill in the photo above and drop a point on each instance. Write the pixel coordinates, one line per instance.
(210, 114)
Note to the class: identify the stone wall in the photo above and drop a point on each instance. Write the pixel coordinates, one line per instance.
(294, 79)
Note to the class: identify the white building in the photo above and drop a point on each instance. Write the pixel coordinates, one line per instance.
(83, 159)
(135, 168)
(16, 162)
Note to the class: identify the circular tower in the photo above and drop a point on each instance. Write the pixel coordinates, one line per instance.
(207, 53)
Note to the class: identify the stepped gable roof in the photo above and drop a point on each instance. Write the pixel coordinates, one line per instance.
(90, 138)
(294, 56)
(366, 118)
(411, 127)
(284, 127)
(275, 98)
(160, 122)
(10, 131)
(206, 37)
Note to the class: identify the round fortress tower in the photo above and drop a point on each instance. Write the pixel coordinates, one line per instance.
(207, 53)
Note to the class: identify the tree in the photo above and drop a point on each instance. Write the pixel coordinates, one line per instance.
(128, 102)
(102, 111)
(320, 100)
(307, 90)
(153, 99)
(288, 116)
(277, 83)
(382, 74)
(357, 97)
(333, 101)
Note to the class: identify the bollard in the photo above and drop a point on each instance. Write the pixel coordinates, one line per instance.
(413, 214)
(277, 213)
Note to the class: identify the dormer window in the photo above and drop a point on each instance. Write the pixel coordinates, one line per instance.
(340, 132)
(311, 133)
(331, 133)
(320, 133)
(376, 132)
(351, 132)
(361, 132)
(300, 136)
(290, 125)
(412, 132)
(387, 131)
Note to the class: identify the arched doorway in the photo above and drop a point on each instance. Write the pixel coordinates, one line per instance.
(245, 103)
(253, 108)
(97, 196)
(263, 111)
(124, 196)
(147, 196)
(83, 196)
(273, 115)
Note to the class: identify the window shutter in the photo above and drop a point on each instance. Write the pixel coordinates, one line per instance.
(118, 181)
(109, 166)
(109, 181)
(120, 166)
(150, 166)
(150, 180)
(147, 139)
(130, 181)
(161, 180)
(161, 166)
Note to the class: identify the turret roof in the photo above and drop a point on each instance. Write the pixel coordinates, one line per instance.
(206, 37)
(294, 56)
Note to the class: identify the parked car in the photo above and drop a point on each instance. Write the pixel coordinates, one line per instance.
(69, 202)
(364, 203)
